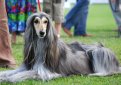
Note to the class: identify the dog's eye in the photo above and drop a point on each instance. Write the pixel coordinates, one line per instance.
(36, 21)
(45, 22)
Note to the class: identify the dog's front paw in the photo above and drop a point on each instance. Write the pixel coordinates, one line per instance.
(2, 79)
(4, 74)
(13, 80)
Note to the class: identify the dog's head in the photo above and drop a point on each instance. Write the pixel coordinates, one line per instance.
(40, 28)
(41, 24)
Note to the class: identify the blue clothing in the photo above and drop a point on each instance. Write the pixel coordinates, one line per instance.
(117, 15)
(77, 17)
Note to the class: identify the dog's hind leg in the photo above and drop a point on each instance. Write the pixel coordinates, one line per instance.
(48, 76)
(53, 76)
(21, 76)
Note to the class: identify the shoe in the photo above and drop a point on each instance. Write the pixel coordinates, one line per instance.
(86, 35)
(11, 66)
(67, 32)
(119, 31)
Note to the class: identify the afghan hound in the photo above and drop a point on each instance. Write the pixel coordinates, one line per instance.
(47, 57)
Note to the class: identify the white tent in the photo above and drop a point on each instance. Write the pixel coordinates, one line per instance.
(92, 1)
(98, 1)
(68, 3)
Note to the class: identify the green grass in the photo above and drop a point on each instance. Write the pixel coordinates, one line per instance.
(101, 24)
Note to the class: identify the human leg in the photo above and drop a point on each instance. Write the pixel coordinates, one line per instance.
(58, 14)
(117, 16)
(6, 58)
(80, 25)
(58, 28)
(71, 17)
(77, 18)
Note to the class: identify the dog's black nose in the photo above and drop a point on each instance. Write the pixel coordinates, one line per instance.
(42, 33)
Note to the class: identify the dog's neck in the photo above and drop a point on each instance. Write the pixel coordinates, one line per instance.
(40, 50)
(46, 52)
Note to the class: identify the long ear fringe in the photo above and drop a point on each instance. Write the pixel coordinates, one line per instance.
(28, 46)
(52, 34)
(52, 50)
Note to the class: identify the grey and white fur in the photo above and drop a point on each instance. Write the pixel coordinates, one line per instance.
(47, 57)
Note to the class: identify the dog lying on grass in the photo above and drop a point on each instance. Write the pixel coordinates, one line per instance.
(47, 57)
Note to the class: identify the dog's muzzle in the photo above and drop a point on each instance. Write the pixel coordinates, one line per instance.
(42, 34)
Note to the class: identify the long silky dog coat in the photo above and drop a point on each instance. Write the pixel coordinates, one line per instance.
(47, 57)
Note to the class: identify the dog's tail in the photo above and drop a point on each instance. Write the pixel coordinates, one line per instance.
(104, 61)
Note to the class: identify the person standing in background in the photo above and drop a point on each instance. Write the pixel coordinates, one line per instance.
(55, 8)
(115, 7)
(18, 12)
(77, 17)
(6, 58)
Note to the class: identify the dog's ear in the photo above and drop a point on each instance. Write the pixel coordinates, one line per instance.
(51, 38)
(29, 40)
(51, 32)
(29, 32)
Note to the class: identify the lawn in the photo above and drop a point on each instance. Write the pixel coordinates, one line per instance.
(101, 25)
